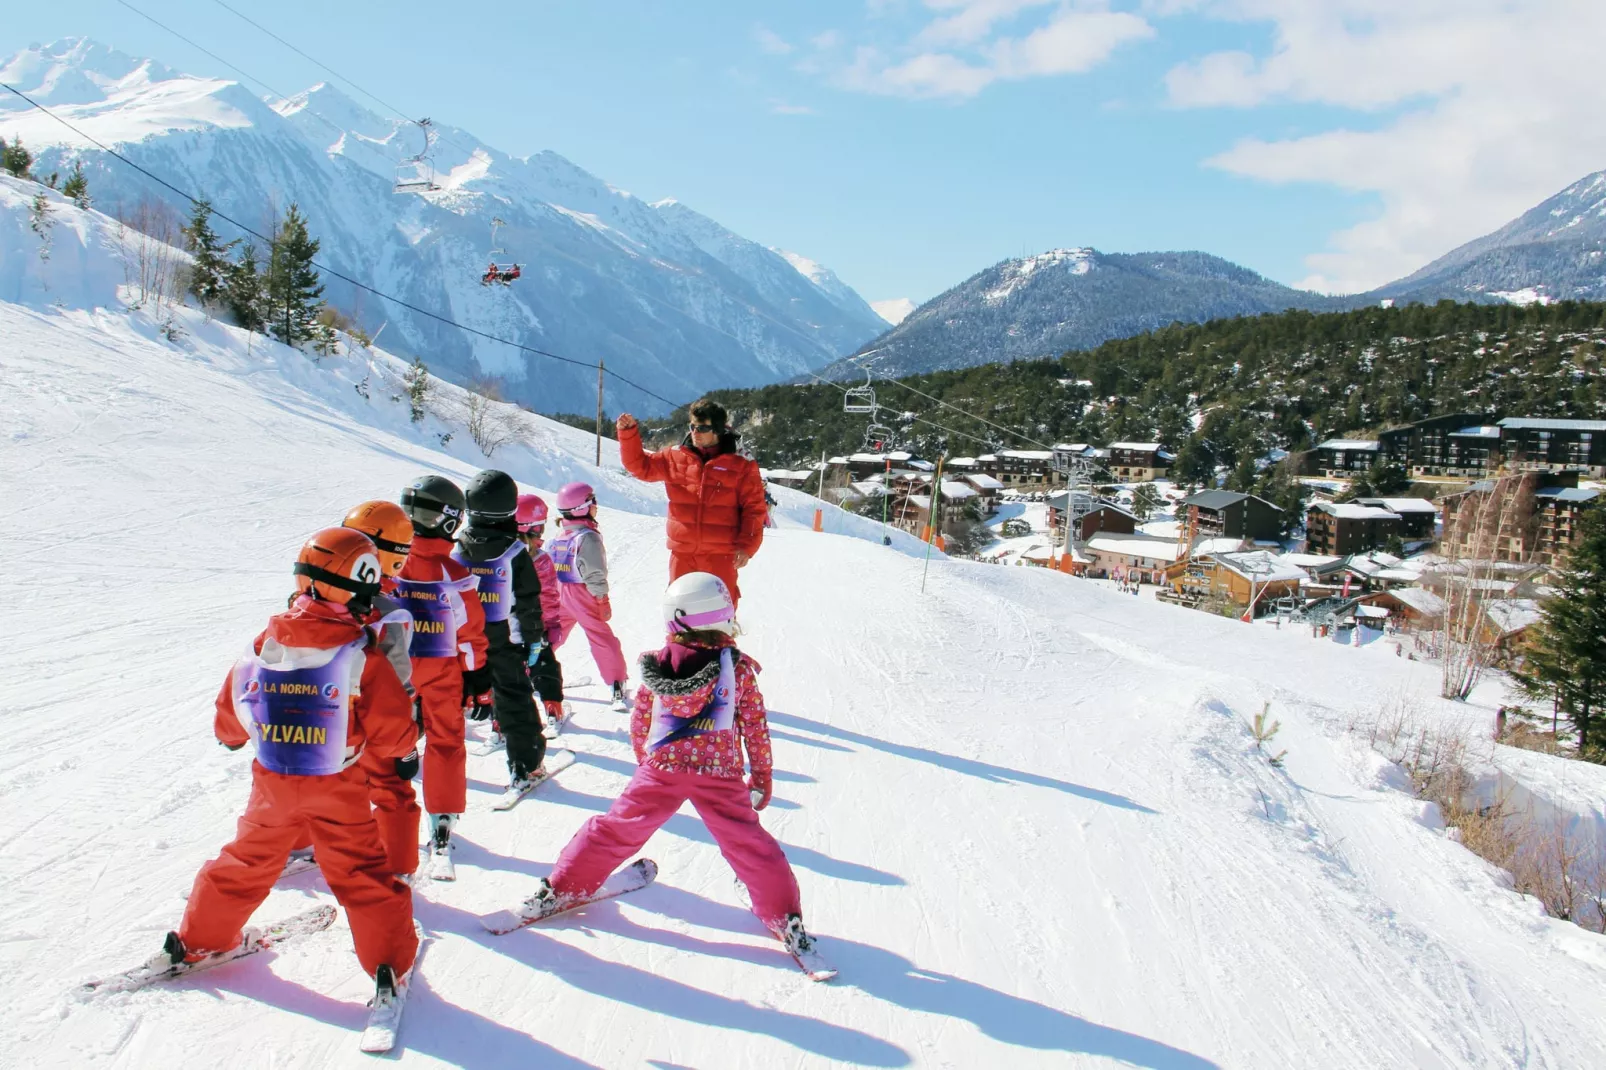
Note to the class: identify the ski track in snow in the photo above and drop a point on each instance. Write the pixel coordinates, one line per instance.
(1028, 818)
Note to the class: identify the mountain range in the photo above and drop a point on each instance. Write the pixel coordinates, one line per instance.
(666, 296)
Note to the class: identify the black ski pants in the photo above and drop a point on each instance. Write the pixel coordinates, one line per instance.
(513, 701)
(547, 676)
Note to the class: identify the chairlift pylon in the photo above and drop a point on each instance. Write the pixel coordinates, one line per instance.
(416, 174)
(860, 399)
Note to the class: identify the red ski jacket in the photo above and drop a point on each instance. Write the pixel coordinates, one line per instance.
(381, 718)
(716, 503)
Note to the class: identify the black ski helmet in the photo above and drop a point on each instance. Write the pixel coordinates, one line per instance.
(492, 495)
(435, 505)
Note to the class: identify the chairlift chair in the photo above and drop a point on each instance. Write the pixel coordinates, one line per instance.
(503, 273)
(879, 438)
(416, 174)
(860, 399)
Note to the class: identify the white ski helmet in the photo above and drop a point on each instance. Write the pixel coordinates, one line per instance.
(699, 601)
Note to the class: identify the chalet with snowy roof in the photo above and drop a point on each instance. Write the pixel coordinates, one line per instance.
(1344, 457)
(1348, 527)
(1138, 462)
(782, 477)
(1099, 514)
(1411, 607)
(1417, 515)
(1229, 513)
(985, 486)
(1553, 445)
(1252, 579)
(1021, 468)
(1438, 446)
(1142, 558)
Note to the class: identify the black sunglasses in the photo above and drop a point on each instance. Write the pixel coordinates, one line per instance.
(703, 428)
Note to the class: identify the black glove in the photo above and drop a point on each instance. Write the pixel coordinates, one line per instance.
(476, 681)
(407, 767)
(418, 711)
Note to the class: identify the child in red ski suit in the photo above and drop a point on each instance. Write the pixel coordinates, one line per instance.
(318, 697)
(698, 706)
(581, 565)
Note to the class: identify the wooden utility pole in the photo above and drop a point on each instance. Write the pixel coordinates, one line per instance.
(599, 412)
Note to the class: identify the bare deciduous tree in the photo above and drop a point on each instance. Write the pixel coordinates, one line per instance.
(1487, 530)
(492, 423)
(148, 236)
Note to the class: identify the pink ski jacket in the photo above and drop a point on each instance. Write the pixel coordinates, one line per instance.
(675, 727)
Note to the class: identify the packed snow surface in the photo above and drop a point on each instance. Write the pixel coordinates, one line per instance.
(1029, 821)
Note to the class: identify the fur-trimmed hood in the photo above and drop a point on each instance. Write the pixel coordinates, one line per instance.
(696, 673)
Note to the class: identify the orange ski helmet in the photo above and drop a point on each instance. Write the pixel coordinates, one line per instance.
(339, 565)
(390, 529)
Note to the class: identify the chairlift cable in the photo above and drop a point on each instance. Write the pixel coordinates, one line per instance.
(331, 272)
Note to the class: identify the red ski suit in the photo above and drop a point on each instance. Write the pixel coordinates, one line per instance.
(716, 503)
(439, 683)
(333, 808)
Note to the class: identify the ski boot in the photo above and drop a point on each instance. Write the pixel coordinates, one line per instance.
(794, 937)
(544, 902)
(388, 988)
(621, 704)
(442, 825)
(441, 866)
(555, 714)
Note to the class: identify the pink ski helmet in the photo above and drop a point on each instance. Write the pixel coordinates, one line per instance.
(577, 500)
(531, 513)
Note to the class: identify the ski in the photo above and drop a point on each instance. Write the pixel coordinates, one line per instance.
(385, 1009)
(634, 877)
(253, 940)
(805, 953)
(496, 741)
(554, 725)
(556, 762)
(297, 864)
(578, 681)
(441, 866)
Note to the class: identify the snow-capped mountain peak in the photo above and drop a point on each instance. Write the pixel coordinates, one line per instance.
(665, 295)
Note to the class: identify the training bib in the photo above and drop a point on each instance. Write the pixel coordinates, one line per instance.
(496, 580)
(434, 616)
(297, 717)
(718, 716)
(562, 554)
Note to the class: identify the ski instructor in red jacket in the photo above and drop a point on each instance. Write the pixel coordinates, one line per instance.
(716, 496)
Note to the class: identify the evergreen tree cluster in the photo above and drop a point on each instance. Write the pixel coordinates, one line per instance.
(1224, 393)
(283, 298)
(1565, 659)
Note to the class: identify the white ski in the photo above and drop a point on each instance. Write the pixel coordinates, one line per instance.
(554, 726)
(632, 878)
(556, 762)
(623, 701)
(385, 1010)
(159, 969)
(496, 741)
(805, 951)
(297, 864)
(578, 681)
(441, 866)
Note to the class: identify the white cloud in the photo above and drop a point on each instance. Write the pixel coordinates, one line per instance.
(962, 52)
(771, 42)
(1489, 107)
(781, 107)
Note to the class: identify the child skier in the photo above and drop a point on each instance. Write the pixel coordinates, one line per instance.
(698, 705)
(510, 594)
(315, 697)
(448, 653)
(545, 674)
(581, 563)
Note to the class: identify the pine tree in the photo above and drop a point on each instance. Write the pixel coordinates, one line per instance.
(15, 158)
(244, 291)
(1565, 661)
(417, 380)
(294, 291)
(1145, 499)
(40, 223)
(209, 274)
(77, 186)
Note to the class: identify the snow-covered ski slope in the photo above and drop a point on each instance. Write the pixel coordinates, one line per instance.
(1029, 821)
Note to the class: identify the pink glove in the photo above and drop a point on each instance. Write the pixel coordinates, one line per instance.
(759, 788)
(604, 609)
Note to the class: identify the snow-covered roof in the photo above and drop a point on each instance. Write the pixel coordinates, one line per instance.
(870, 488)
(961, 462)
(1309, 561)
(957, 491)
(1139, 447)
(1400, 505)
(1523, 423)
(1353, 511)
(1261, 567)
(924, 466)
(1476, 432)
(1071, 447)
(1225, 544)
(1398, 575)
(1512, 614)
(982, 481)
(920, 501)
(899, 455)
(867, 458)
(1375, 612)
(1027, 455)
(1114, 542)
(1347, 444)
(1568, 494)
(1420, 599)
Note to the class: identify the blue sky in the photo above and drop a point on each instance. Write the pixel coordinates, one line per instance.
(908, 144)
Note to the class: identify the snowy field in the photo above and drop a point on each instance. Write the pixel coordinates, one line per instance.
(1029, 821)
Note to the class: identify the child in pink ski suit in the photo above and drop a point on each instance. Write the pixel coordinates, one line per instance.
(581, 564)
(698, 706)
(545, 672)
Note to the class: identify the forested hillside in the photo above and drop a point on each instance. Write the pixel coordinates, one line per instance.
(1223, 392)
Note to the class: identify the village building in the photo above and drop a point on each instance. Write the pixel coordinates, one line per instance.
(1418, 516)
(986, 487)
(1544, 528)
(1141, 558)
(1229, 513)
(1345, 528)
(1429, 447)
(1138, 462)
(1247, 578)
(1100, 515)
(1344, 457)
(1411, 608)
(1528, 445)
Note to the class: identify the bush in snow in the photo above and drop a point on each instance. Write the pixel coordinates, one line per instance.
(416, 379)
(77, 187)
(39, 222)
(15, 158)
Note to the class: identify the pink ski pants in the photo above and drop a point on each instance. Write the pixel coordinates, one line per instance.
(579, 607)
(604, 842)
